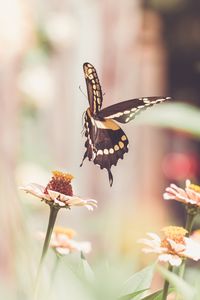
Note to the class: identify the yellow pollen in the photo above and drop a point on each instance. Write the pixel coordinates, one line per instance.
(175, 233)
(194, 187)
(70, 233)
(64, 176)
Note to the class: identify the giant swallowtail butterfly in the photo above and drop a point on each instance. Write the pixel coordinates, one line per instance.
(106, 142)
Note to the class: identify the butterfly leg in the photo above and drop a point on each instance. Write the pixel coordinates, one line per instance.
(84, 157)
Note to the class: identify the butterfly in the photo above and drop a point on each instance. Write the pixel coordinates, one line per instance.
(106, 142)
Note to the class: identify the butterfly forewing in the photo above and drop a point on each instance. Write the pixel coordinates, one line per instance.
(126, 111)
(93, 88)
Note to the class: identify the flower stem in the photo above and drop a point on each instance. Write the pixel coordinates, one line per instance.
(189, 222)
(52, 219)
(188, 227)
(166, 284)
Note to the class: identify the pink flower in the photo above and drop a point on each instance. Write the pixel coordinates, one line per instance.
(58, 192)
(63, 243)
(189, 195)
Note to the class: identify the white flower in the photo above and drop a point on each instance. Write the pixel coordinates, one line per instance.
(59, 192)
(174, 247)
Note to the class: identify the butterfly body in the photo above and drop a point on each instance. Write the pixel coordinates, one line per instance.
(106, 142)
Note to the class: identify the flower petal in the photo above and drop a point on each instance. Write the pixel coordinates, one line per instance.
(192, 249)
(175, 246)
(174, 260)
(35, 190)
(62, 250)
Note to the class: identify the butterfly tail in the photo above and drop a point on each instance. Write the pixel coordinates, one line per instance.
(110, 176)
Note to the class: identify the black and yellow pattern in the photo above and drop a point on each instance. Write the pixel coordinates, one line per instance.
(93, 88)
(106, 142)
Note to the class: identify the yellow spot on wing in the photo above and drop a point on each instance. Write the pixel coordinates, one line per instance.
(121, 145)
(116, 147)
(99, 152)
(90, 76)
(107, 124)
(123, 138)
(89, 71)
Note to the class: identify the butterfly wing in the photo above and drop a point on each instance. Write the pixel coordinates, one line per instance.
(94, 91)
(106, 143)
(126, 111)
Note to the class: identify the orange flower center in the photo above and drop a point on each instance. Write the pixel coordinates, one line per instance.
(70, 233)
(174, 233)
(194, 187)
(60, 182)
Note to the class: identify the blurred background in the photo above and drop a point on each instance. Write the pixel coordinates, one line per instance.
(139, 48)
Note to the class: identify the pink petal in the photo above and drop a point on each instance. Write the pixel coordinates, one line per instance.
(35, 190)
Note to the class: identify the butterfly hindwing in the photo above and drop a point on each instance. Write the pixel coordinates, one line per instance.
(126, 111)
(106, 142)
(94, 91)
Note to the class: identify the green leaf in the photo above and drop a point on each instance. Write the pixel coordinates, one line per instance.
(181, 286)
(139, 281)
(157, 295)
(179, 116)
(133, 295)
(87, 270)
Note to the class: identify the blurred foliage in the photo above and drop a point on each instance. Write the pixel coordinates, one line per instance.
(176, 116)
(181, 286)
(167, 6)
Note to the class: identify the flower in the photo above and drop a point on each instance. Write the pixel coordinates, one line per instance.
(58, 192)
(174, 247)
(189, 195)
(62, 242)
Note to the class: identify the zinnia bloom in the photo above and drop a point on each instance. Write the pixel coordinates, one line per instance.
(174, 247)
(63, 243)
(189, 195)
(58, 192)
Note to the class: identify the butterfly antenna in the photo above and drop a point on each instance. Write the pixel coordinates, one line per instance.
(82, 91)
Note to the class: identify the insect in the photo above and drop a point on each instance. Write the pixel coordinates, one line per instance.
(106, 142)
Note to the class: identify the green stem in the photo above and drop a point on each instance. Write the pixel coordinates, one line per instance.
(188, 227)
(166, 284)
(52, 219)
(189, 222)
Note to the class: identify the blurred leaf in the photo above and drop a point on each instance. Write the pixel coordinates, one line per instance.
(193, 278)
(133, 295)
(87, 270)
(178, 116)
(157, 295)
(180, 285)
(139, 281)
